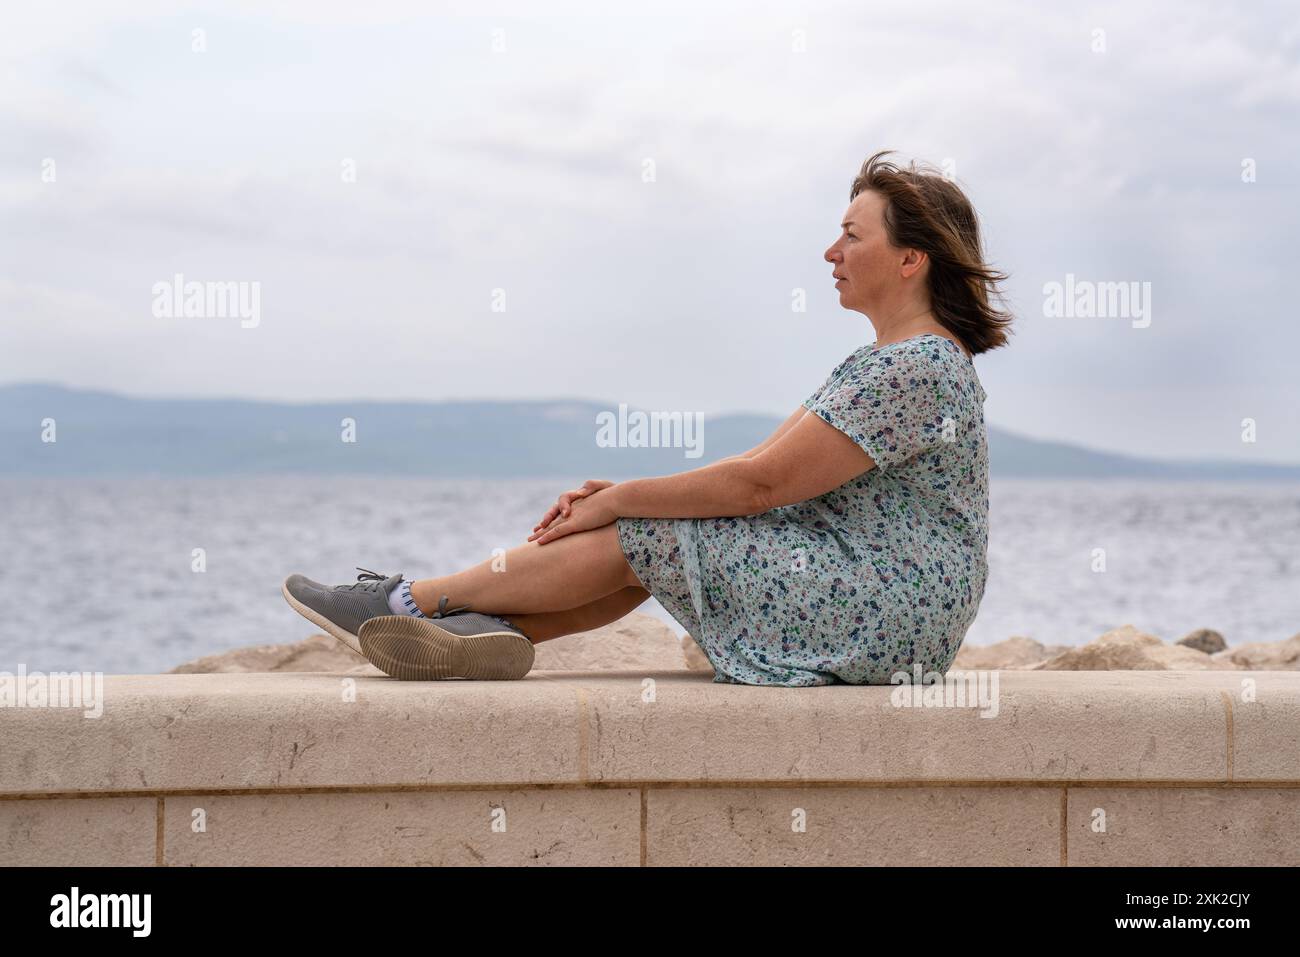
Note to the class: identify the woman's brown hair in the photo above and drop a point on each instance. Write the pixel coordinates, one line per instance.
(927, 211)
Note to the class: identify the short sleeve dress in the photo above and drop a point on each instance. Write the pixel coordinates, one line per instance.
(867, 580)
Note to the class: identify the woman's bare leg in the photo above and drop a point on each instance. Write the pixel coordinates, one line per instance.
(543, 626)
(568, 572)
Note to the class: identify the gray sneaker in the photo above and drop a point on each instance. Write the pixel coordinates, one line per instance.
(340, 609)
(468, 645)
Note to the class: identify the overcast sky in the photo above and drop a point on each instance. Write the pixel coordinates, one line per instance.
(494, 151)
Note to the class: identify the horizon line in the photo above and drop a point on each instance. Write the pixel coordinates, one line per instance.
(596, 402)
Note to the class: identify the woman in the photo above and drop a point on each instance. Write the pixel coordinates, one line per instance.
(847, 547)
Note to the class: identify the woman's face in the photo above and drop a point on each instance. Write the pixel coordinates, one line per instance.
(869, 271)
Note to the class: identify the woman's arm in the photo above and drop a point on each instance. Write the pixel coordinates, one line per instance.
(805, 458)
(564, 503)
(781, 430)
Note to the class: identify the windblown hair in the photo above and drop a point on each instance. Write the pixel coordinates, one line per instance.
(927, 211)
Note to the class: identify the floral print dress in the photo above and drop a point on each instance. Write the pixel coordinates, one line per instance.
(883, 573)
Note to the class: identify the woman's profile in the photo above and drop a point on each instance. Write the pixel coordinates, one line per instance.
(848, 546)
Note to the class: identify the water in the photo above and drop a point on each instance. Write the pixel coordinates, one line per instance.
(97, 573)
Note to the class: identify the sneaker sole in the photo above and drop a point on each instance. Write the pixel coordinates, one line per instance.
(418, 649)
(320, 621)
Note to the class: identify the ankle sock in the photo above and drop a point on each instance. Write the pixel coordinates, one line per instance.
(401, 602)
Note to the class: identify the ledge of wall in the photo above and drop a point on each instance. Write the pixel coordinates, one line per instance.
(1182, 768)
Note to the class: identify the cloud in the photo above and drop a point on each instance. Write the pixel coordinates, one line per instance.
(526, 172)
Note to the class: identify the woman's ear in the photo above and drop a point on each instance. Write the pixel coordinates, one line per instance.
(913, 261)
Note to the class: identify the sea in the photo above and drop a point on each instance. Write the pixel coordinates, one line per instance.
(137, 576)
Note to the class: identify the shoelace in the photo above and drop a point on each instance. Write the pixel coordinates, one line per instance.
(442, 611)
(368, 580)
(371, 581)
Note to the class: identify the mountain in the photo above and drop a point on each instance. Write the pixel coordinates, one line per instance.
(104, 434)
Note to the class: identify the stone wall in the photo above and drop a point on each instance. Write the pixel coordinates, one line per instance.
(658, 768)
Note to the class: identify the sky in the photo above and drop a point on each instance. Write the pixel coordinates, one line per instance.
(474, 201)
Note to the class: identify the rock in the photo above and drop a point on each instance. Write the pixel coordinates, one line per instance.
(1128, 649)
(1014, 653)
(637, 642)
(640, 642)
(1204, 639)
(696, 659)
(317, 653)
(1264, 655)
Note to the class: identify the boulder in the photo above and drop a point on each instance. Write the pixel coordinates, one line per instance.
(1204, 639)
(317, 653)
(637, 642)
(696, 659)
(1264, 655)
(1014, 653)
(1128, 649)
(640, 642)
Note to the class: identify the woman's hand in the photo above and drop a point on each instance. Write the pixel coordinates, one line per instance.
(590, 511)
(564, 504)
